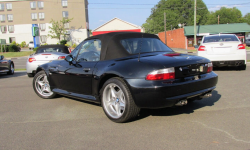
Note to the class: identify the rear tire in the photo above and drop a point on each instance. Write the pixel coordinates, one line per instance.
(41, 86)
(11, 69)
(117, 101)
(243, 67)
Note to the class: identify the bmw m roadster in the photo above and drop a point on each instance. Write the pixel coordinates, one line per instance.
(126, 71)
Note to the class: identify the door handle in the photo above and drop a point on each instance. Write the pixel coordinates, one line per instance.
(86, 69)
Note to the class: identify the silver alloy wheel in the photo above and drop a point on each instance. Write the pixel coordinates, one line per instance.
(42, 85)
(12, 68)
(114, 100)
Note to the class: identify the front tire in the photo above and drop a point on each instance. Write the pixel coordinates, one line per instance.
(117, 101)
(30, 75)
(41, 86)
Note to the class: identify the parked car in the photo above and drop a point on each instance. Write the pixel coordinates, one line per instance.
(248, 42)
(223, 50)
(125, 72)
(6, 66)
(45, 54)
(31, 45)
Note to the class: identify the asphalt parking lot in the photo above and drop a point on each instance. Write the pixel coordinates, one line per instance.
(219, 122)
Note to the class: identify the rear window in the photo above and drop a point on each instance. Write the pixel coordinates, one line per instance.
(220, 38)
(143, 45)
(51, 50)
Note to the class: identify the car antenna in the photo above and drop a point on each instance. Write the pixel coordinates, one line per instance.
(140, 49)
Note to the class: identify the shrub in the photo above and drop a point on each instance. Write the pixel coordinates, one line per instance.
(12, 48)
(67, 45)
(44, 44)
(63, 42)
(74, 45)
(23, 44)
(35, 49)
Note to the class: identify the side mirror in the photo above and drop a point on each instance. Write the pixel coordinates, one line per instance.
(1, 57)
(69, 58)
(196, 46)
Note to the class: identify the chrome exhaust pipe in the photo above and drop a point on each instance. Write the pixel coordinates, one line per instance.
(181, 103)
(206, 95)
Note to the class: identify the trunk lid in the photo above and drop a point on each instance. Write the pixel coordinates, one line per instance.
(221, 48)
(185, 65)
(47, 56)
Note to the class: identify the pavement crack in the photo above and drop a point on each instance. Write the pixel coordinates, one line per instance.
(230, 135)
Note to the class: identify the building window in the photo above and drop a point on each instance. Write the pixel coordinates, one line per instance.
(66, 25)
(40, 4)
(65, 14)
(12, 39)
(2, 17)
(33, 5)
(34, 16)
(43, 38)
(9, 6)
(2, 6)
(64, 3)
(42, 26)
(3, 29)
(41, 15)
(11, 29)
(10, 17)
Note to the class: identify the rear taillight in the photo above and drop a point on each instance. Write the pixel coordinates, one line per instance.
(209, 67)
(201, 48)
(163, 74)
(241, 46)
(61, 57)
(69, 50)
(32, 59)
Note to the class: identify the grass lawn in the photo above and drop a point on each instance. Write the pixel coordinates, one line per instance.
(22, 69)
(16, 54)
(248, 60)
(247, 48)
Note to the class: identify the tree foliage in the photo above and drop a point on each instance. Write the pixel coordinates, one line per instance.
(177, 12)
(57, 30)
(226, 15)
(247, 18)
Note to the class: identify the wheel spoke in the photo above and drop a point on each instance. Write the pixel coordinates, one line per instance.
(40, 83)
(45, 80)
(112, 90)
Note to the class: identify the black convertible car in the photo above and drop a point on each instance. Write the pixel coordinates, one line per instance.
(125, 72)
(6, 66)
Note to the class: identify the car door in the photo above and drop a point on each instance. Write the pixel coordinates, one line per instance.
(77, 78)
(3, 64)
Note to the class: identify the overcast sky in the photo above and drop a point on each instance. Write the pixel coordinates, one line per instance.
(137, 11)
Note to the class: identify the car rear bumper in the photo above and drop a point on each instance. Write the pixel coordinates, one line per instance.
(161, 94)
(228, 63)
(32, 66)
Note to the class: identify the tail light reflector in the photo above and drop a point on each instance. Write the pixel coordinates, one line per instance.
(172, 55)
(201, 48)
(32, 59)
(61, 57)
(209, 67)
(241, 46)
(162, 74)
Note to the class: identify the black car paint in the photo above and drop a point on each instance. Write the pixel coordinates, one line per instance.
(5, 65)
(75, 81)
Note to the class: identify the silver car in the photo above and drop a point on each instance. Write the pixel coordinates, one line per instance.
(247, 42)
(45, 54)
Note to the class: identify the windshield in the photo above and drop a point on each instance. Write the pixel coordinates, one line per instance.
(220, 38)
(143, 45)
(50, 50)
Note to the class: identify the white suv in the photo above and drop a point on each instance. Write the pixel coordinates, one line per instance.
(223, 50)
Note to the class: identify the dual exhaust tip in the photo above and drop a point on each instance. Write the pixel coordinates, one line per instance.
(185, 101)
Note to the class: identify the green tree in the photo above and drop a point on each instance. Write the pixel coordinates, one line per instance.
(226, 15)
(247, 18)
(58, 30)
(177, 12)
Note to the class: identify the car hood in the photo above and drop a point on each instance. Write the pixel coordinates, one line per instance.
(174, 59)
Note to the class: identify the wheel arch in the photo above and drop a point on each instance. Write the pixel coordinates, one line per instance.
(105, 78)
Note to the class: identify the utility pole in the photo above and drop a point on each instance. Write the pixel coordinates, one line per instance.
(195, 43)
(165, 28)
(218, 19)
